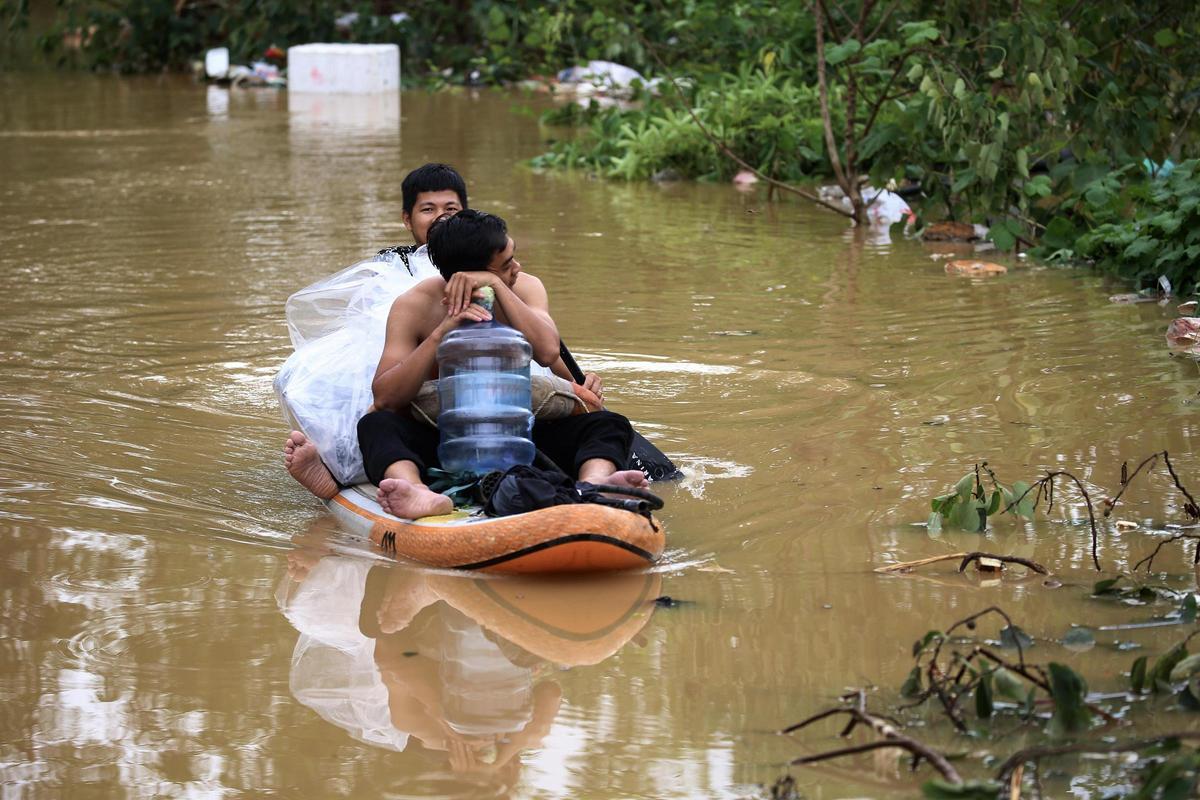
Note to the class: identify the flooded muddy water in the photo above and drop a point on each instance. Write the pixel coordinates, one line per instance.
(180, 619)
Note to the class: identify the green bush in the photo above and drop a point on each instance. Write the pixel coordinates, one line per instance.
(1161, 235)
(765, 117)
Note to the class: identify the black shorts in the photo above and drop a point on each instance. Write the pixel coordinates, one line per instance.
(386, 437)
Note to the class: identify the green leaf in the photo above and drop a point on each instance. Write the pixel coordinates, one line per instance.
(840, 52)
(1008, 685)
(983, 697)
(938, 789)
(1060, 234)
(1024, 508)
(1106, 586)
(1187, 611)
(965, 485)
(924, 642)
(916, 33)
(1001, 237)
(1071, 714)
(1022, 162)
(962, 180)
(993, 503)
(1159, 679)
(1166, 38)
(966, 515)
(1185, 668)
(934, 526)
(912, 684)
(996, 72)
(1137, 675)
(915, 72)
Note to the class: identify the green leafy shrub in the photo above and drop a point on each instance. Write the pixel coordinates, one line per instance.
(1161, 235)
(765, 117)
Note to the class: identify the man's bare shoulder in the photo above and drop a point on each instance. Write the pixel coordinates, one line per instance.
(415, 307)
(526, 283)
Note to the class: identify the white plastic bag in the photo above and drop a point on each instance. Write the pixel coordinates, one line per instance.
(337, 326)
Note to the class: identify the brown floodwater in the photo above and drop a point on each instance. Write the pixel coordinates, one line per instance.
(178, 618)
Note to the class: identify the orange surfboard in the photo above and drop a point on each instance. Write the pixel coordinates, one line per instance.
(569, 538)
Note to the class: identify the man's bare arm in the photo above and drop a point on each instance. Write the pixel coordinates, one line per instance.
(408, 357)
(525, 307)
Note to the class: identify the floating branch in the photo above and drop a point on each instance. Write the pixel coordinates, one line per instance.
(888, 730)
(1149, 560)
(1034, 754)
(967, 558)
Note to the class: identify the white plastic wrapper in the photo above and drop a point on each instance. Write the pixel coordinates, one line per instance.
(337, 326)
(333, 664)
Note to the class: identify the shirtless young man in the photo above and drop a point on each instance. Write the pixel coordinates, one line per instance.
(472, 250)
(429, 192)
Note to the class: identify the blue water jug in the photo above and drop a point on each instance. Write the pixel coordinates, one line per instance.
(483, 387)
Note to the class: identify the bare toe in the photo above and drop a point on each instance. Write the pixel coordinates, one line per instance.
(305, 465)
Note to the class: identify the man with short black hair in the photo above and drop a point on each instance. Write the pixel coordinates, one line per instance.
(472, 251)
(428, 193)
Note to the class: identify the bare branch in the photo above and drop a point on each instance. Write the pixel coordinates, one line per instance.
(1035, 753)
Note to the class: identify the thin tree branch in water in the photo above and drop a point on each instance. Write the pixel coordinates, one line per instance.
(1034, 754)
(1025, 562)
(888, 731)
(1045, 486)
(1149, 560)
(1190, 507)
(967, 559)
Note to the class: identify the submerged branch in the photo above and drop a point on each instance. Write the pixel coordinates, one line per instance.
(967, 558)
(888, 731)
(1035, 753)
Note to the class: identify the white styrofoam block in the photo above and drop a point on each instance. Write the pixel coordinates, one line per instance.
(344, 68)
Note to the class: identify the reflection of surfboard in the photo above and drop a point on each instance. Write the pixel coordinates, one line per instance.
(565, 621)
(567, 538)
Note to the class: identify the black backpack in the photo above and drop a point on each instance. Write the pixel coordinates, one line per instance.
(521, 489)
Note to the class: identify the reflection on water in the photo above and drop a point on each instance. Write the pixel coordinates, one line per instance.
(426, 663)
(818, 389)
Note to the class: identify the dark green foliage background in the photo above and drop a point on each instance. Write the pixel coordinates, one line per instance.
(1042, 119)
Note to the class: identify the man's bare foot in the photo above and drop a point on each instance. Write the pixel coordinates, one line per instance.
(632, 478)
(409, 500)
(304, 464)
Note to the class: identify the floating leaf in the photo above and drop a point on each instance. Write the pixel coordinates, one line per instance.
(1159, 679)
(1071, 714)
(1106, 586)
(1187, 611)
(1137, 675)
(983, 697)
(1185, 668)
(912, 685)
(1079, 639)
(1011, 635)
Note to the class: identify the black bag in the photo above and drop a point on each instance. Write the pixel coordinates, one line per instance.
(521, 489)
(653, 463)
